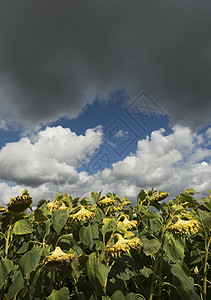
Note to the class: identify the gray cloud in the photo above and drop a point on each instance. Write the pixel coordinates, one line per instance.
(56, 55)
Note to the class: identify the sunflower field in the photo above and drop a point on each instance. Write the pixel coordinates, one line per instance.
(106, 248)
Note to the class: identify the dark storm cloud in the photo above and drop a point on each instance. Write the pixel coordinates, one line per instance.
(54, 55)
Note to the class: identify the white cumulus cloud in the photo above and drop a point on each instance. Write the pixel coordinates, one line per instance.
(54, 153)
(171, 162)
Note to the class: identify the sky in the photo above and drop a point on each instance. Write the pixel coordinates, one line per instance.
(104, 95)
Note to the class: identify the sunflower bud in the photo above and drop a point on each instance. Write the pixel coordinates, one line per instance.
(58, 257)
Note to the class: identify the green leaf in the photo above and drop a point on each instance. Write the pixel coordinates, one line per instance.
(88, 235)
(207, 203)
(174, 246)
(23, 248)
(185, 281)
(121, 270)
(41, 202)
(187, 294)
(95, 196)
(108, 225)
(118, 295)
(22, 227)
(30, 260)
(16, 286)
(85, 201)
(146, 272)
(155, 225)
(6, 267)
(132, 296)
(97, 273)
(205, 219)
(150, 246)
(59, 219)
(62, 294)
(185, 197)
(67, 200)
(40, 215)
(68, 237)
(142, 195)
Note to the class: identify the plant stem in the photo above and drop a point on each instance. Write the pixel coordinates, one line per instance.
(151, 291)
(160, 277)
(207, 245)
(51, 282)
(8, 236)
(107, 245)
(3, 236)
(154, 274)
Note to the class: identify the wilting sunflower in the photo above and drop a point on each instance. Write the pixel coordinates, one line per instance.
(123, 245)
(82, 215)
(105, 201)
(184, 227)
(57, 258)
(2, 209)
(158, 196)
(20, 203)
(56, 205)
(128, 224)
(122, 205)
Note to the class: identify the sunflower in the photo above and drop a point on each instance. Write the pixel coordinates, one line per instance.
(56, 205)
(184, 227)
(2, 209)
(128, 224)
(122, 205)
(82, 215)
(20, 203)
(57, 258)
(123, 245)
(158, 196)
(105, 201)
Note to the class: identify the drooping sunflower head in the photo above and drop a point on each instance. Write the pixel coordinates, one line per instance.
(82, 215)
(158, 196)
(20, 203)
(105, 201)
(60, 202)
(58, 257)
(56, 205)
(122, 205)
(123, 245)
(127, 223)
(185, 227)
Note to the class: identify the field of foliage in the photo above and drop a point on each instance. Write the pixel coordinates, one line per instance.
(106, 248)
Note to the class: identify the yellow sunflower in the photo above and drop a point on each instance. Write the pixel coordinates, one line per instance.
(128, 224)
(122, 205)
(184, 227)
(56, 205)
(158, 196)
(82, 215)
(123, 245)
(105, 201)
(57, 258)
